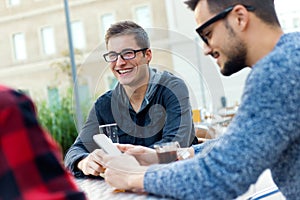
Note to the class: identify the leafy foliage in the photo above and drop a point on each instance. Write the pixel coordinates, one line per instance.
(59, 116)
(59, 120)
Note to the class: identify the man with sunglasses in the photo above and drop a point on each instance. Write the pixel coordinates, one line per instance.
(265, 132)
(149, 107)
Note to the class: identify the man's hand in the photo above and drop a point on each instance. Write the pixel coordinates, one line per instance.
(185, 153)
(91, 165)
(123, 172)
(145, 156)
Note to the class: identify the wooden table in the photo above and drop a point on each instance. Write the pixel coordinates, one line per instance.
(97, 189)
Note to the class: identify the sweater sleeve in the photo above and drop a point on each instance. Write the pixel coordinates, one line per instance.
(266, 123)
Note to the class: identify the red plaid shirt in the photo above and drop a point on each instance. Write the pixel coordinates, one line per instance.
(30, 161)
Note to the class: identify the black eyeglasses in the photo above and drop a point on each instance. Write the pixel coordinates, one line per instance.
(126, 54)
(216, 18)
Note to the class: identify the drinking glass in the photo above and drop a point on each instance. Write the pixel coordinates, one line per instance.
(167, 152)
(111, 131)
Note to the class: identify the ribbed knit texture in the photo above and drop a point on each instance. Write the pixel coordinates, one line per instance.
(265, 134)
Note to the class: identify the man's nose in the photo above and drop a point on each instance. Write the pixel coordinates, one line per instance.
(207, 49)
(120, 60)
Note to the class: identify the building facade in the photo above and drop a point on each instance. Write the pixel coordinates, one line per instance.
(34, 48)
(34, 42)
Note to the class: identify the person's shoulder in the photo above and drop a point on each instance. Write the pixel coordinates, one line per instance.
(107, 94)
(166, 79)
(3, 88)
(281, 60)
(5, 96)
(167, 76)
(286, 51)
(10, 96)
(6, 92)
(104, 98)
(278, 72)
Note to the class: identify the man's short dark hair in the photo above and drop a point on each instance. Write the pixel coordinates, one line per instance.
(128, 28)
(264, 9)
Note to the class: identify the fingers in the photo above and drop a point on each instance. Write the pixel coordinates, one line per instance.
(136, 150)
(123, 163)
(115, 179)
(125, 147)
(93, 169)
(92, 164)
(126, 179)
(98, 156)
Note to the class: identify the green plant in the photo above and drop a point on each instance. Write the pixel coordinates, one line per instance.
(58, 116)
(59, 120)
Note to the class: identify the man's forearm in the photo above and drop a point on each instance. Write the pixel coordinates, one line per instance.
(136, 181)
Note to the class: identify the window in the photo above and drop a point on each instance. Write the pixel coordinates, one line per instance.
(19, 46)
(143, 16)
(78, 35)
(106, 21)
(13, 2)
(48, 42)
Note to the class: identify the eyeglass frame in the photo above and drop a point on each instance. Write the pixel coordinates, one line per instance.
(120, 54)
(222, 15)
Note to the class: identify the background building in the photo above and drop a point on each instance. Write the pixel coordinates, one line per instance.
(34, 43)
(34, 47)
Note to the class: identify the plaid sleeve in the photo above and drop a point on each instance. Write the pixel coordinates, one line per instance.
(31, 163)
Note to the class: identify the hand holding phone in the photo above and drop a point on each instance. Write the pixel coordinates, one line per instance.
(106, 144)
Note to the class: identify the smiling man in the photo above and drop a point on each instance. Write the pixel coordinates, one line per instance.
(149, 107)
(265, 132)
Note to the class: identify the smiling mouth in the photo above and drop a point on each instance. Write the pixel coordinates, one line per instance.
(124, 71)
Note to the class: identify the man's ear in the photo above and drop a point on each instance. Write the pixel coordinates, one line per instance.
(148, 55)
(241, 17)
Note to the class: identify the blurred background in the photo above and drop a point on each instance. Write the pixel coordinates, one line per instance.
(35, 54)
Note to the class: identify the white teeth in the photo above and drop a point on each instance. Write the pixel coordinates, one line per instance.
(124, 71)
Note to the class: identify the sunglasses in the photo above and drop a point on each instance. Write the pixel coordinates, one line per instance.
(216, 18)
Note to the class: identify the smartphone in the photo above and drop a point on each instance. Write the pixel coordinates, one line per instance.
(106, 144)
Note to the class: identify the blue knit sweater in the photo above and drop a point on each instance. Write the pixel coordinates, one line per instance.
(265, 134)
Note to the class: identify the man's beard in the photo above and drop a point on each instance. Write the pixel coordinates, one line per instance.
(236, 61)
(237, 54)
